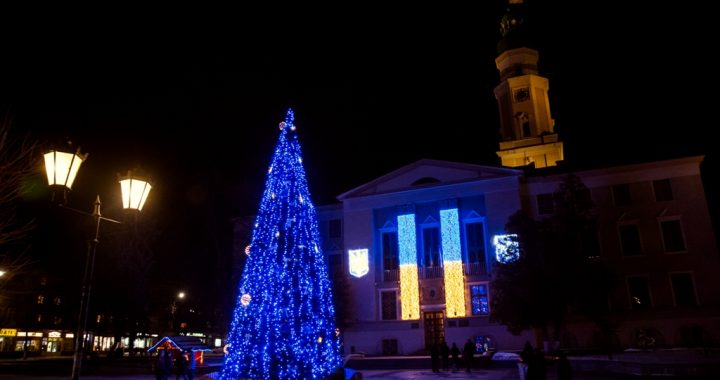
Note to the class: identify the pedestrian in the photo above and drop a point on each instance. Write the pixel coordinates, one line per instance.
(445, 354)
(167, 364)
(181, 366)
(468, 353)
(159, 366)
(525, 358)
(192, 366)
(435, 357)
(455, 353)
(536, 368)
(564, 369)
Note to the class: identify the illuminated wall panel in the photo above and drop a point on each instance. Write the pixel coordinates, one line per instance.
(507, 248)
(358, 259)
(409, 294)
(452, 263)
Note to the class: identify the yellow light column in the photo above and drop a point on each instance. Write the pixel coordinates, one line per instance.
(452, 264)
(409, 293)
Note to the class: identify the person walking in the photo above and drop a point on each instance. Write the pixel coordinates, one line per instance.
(435, 357)
(192, 367)
(445, 354)
(455, 353)
(159, 366)
(167, 364)
(564, 369)
(526, 356)
(536, 368)
(181, 366)
(468, 353)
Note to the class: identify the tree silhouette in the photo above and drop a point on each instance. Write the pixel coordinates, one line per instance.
(17, 165)
(559, 268)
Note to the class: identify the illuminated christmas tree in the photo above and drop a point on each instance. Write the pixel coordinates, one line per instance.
(283, 326)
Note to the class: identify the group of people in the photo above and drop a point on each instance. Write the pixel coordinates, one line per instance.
(441, 351)
(168, 362)
(533, 366)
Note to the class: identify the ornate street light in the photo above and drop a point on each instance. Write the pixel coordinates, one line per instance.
(173, 310)
(61, 168)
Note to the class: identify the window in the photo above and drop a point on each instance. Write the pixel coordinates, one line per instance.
(663, 190)
(335, 228)
(639, 292)
(630, 239)
(683, 289)
(621, 195)
(390, 250)
(546, 203)
(389, 305)
(475, 242)
(40, 299)
(480, 304)
(672, 235)
(431, 246)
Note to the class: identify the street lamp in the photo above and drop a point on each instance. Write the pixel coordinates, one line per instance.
(61, 168)
(173, 310)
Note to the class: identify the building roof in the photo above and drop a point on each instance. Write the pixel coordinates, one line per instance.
(425, 173)
(180, 342)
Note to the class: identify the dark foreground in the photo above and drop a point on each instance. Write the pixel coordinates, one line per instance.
(649, 365)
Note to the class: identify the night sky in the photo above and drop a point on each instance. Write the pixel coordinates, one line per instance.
(194, 95)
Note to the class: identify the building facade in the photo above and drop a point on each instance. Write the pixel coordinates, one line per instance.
(417, 248)
(414, 250)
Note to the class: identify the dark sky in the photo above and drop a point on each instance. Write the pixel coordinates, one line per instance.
(194, 95)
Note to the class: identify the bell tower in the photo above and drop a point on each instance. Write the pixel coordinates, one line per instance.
(527, 130)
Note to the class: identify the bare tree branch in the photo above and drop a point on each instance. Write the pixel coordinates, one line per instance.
(17, 163)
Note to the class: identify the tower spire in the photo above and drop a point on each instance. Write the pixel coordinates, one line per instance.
(513, 29)
(527, 129)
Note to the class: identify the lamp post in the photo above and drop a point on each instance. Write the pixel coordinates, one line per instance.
(173, 310)
(61, 168)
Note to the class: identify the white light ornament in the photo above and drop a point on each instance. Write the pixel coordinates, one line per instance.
(507, 248)
(245, 299)
(358, 259)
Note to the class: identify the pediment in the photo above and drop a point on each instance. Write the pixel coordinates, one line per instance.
(428, 173)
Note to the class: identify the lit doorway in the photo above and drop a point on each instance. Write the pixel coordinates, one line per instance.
(434, 328)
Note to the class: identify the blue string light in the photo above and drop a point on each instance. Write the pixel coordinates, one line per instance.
(283, 326)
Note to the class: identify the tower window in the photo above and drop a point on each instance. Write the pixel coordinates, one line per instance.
(523, 122)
